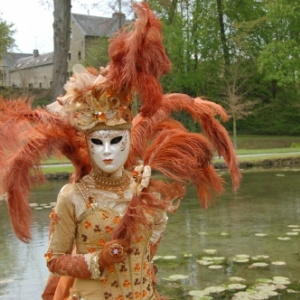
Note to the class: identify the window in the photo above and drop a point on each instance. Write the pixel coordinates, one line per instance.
(79, 55)
(69, 56)
(40, 85)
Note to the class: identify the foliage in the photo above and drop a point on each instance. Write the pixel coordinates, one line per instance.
(96, 53)
(245, 52)
(6, 36)
(207, 40)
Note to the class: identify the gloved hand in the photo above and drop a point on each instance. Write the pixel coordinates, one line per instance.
(113, 252)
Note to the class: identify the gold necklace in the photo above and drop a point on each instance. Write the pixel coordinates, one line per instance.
(117, 185)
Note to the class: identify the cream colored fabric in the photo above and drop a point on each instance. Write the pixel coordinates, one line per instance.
(88, 229)
(142, 179)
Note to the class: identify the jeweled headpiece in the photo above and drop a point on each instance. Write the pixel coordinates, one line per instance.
(91, 104)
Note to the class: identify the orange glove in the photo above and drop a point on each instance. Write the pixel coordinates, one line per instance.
(113, 252)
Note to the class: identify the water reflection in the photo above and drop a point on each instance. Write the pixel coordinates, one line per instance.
(267, 202)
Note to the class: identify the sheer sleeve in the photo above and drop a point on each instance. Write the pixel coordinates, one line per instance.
(160, 223)
(60, 259)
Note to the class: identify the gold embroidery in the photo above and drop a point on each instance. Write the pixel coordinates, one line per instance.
(94, 266)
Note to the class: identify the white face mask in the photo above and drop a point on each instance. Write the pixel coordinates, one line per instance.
(109, 149)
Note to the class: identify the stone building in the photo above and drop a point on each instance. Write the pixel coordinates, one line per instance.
(34, 71)
(8, 60)
(89, 34)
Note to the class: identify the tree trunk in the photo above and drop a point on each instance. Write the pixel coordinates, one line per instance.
(222, 34)
(61, 27)
(172, 11)
(234, 133)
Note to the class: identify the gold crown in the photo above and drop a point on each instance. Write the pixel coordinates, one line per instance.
(91, 104)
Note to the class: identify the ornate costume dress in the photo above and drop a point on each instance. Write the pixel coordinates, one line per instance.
(86, 216)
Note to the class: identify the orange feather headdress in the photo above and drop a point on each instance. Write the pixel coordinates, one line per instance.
(102, 100)
(137, 60)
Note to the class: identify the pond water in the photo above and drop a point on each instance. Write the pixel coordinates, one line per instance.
(261, 221)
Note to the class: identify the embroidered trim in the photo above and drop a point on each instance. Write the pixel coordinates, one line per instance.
(87, 196)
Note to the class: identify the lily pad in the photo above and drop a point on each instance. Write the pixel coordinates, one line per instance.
(283, 238)
(260, 257)
(236, 286)
(258, 265)
(280, 280)
(209, 258)
(210, 251)
(248, 295)
(198, 293)
(218, 259)
(177, 277)
(237, 279)
(224, 233)
(292, 233)
(215, 289)
(240, 260)
(242, 256)
(187, 255)
(204, 262)
(265, 287)
(278, 263)
(169, 257)
(215, 267)
(260, 234)
(290, 291)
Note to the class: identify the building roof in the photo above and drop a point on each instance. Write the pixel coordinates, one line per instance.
(10, 59)
(34, 60)
(99, 26)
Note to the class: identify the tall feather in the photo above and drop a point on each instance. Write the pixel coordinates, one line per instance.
(202, 111)
(185, 157)
(28, 137)
(138, 59)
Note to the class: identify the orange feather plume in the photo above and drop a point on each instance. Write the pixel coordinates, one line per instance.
(138, 59)
(28, 137)
(214, 137)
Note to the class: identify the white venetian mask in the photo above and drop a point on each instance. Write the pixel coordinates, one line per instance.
(109, 149)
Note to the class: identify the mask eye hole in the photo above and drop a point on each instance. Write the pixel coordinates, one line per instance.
(116, 140)
(96, 141)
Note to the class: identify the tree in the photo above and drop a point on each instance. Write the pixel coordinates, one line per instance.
(280, 60)
(6, 39)
(61, 39)
(236, 99)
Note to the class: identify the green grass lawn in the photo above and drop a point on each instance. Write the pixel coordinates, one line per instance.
(267, 142)
(57, 169)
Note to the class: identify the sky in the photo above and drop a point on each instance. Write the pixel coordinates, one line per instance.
(33, 22)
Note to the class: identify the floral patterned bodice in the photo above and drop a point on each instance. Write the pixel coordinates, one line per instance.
(89, 227)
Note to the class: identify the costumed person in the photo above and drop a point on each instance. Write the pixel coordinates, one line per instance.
(109, 220)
